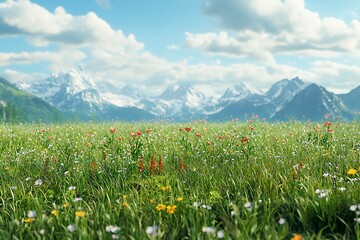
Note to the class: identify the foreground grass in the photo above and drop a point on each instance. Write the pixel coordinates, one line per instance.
(180, 181)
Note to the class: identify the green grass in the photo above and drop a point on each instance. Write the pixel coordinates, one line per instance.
(230, 180)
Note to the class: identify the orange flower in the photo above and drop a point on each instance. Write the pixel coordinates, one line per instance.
(153, 164)
(126, 204)
(245, 139)
(161, 165)
(297, 237)
(188, 129)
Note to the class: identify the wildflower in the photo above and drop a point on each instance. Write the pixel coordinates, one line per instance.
(327, 124)
(147, 130)
(112, 229)
(152, 230)
(27, 179)
(77, 199)
(220, 234)
(153, 165)
(65, 205)
(80, 213)
(244, 140)
(125, 196)
(248, 206)
(141, 166)
(161, 164)
(297, 237)
(42, 231)
(112, 130)
(351, 171)
(55, 212)
(88, 144)
(32, 214)
(71, 228)
(188, 129)
(160, 207)
(165, 188)
(29, 220)
(71, 188)
(152, 200)
(342, 189)
(126, 204)
(38, 182)
(357, 220)
(171, 209)
(322, 193)
(180, 199)
(119, 138)
(353, 207)
(182, 166)
(198, 135)
(138, 133)
(196, 204)
(282, 221)
(208, 229)
(208, 143)
(220, 137)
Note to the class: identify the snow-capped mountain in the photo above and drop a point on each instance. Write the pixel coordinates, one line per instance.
(179, 102)
(76, 92)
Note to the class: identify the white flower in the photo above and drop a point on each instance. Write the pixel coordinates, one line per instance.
(353, 207)
(71, 228)
(112, 229)
(220, 234)
(32, 214)
(326, 174)
(322, 193)
(282, 221)
(27, 179)
(42, 231)
(209, 229)
(71, 188)
(77, 199)
(152, 230)
(233, 213)
(114, 236)
(357, 220)
(38, 182)
(196, 204)
(247, 205)
(342, 189)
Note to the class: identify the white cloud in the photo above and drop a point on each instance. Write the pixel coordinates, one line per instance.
(16, 76)
(274, 27)
(103, 3)
(172, 47)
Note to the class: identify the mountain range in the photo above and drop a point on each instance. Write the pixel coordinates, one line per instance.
(75, 94)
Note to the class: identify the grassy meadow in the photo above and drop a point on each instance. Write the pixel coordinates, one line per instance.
(249, 180)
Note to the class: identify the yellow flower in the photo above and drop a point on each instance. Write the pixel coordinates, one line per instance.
(55, 212)
(88, 144)
(126, 204)
(180, 199)
(80, 213)
(65, 205)
(125, 196)
(171, 209)
(164, 188)
(152, 200)
(352, 171)
(297, 237)
(160, 207)
(28, 220)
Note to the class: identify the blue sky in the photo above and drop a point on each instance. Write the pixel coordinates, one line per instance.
(211, 44)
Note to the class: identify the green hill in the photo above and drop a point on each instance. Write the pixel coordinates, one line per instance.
(19, 106)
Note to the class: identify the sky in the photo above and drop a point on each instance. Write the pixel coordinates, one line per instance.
(210, 44)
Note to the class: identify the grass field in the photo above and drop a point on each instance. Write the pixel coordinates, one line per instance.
(251, 180)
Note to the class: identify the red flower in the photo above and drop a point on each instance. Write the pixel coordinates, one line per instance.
(147, 130)
(220, 137)
(112, 130)
(208, 143)
(161, 165)
(182, 166)
(327, 124)
(252, 128)
(138, 133)
(245, 139)
(141, 165)
(153, 164)
(119, 138)
(180, 129)
(188, 129)
(198, 134)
